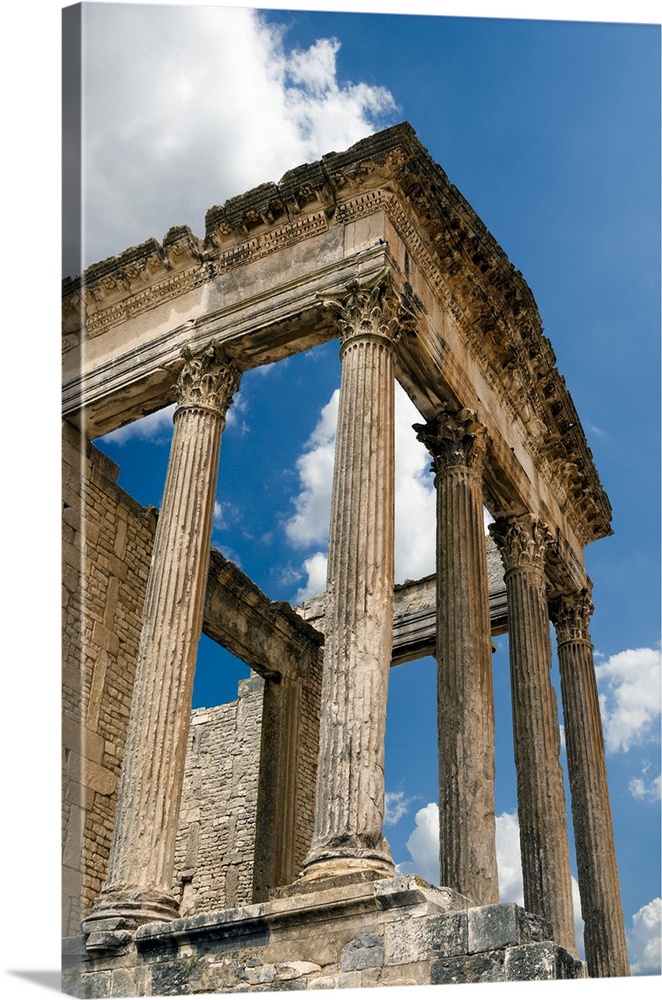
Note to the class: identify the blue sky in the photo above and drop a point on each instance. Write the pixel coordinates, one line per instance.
(551, 130)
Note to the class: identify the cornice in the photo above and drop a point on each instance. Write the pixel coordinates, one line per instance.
(487, 297)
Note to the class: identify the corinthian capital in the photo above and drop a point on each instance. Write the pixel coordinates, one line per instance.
(571, 615)
(207, 380)
(366, 310)
(454, 438)
(521, 540)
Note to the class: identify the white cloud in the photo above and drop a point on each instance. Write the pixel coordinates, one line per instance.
(155, 427)
(511, 889)
(310, 524)
(188, 106)
(651, 791)
(644, 940)
(423, 845)
(415, 497)
(315, 569)
(629, 684)
(395, 807)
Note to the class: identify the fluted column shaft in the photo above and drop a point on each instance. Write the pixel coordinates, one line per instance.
(140, 870)
(604, 930)
(540, 793)
(359, 616)
(465, 700)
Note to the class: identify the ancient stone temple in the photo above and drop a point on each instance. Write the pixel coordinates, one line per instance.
(184, 873)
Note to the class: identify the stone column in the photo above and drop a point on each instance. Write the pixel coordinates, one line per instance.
(465, 701)
(349, 809)
(540, 795)
(604, 930)
(140, 870)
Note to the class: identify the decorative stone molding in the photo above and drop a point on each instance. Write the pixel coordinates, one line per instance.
(361, 310)
(208, 380)
(454, 438)
(571, 615)
(522, 542)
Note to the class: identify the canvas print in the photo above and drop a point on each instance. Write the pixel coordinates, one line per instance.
(361, 632)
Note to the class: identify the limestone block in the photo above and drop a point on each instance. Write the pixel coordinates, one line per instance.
(543, 960)
(418, 938)
(362, 952)
(172, 978)
(502, 924)
(123, 984)
(485, 968)
(294, 970)
(337, 981)
(94, 984)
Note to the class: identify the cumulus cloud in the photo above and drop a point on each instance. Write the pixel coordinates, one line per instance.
(643, 789)
(315, 570)
(155, 427)
(415, 497)
(423, 845)
(629, 685)
(644, 940)
(188, 106)
(310, 524)
(395, 807)
(511, 887)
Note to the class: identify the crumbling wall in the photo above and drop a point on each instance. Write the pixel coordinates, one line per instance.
(106, 549)
(216, 839)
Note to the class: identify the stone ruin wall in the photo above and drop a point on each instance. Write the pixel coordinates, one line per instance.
(101, 630)
(214, 852)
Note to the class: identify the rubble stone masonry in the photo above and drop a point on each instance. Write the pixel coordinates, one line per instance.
(216, 840)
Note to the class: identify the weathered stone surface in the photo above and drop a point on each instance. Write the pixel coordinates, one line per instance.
(147, 814)
(355, 941)
(362, 952)
(491, 927)
(522, 542)
(349, 809)
(485, 968)
(465, 700)
(602, 910)
(544, 960)
(420, 938)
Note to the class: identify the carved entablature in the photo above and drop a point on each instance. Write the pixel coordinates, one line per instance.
(389, 178)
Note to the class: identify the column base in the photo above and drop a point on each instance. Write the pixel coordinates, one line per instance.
(117, 912)
(348, 858)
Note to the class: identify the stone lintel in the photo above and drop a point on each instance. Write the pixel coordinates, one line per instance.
(267, 635)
